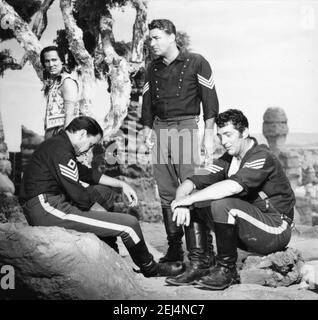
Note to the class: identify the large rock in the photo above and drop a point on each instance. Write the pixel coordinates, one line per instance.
(275, 128)
(54, 263)
(10, 210)
(310, 275)
(277, 269)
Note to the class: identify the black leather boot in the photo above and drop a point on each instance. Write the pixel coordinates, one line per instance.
(200, 255)
(166, 269)
(174, 237)
(224, 273)
(149, 267)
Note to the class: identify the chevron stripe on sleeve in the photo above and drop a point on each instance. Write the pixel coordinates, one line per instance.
(208, 83)
(68, 172)
(145, 88)
(214, 168)
(256, 164)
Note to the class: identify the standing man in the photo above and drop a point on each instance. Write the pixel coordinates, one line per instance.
(246, 198)
(61, 90)
(177, 82)
(54, 195)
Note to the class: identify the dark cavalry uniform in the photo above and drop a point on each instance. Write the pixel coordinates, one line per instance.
(171, 103)
(59, 191)
(263, 211)
(172, 95)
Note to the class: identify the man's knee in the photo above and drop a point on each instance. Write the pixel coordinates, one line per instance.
(104, 195)
(220, 209)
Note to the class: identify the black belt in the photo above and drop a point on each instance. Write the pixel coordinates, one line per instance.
(180, 118)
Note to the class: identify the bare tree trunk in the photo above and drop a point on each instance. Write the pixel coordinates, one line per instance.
(39, 24)
(119, 80)
(9, 19)
(139, 30)
(82, 57)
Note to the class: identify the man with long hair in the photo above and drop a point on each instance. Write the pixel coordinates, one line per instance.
(61, 89)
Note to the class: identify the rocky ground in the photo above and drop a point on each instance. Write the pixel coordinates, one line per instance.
(304, 239)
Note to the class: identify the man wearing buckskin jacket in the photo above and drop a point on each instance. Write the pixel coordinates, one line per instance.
(176, 83)
(246, 199)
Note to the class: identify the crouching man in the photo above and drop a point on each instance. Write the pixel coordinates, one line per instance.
(244, 196)
(59, 191)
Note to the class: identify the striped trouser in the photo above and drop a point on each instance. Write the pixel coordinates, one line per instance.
(54, 210)
(257, 231)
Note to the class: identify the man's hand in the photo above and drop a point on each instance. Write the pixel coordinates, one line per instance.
(184, 202)
(131, 195)
(181, 216)
(147, 138)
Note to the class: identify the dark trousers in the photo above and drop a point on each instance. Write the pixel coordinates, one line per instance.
(175, 155)
(55, 210)
(257, 231)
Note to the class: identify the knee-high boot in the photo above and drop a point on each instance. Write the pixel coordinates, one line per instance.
(148, 266)
(174, 237)
(201, 256)
(224, 273)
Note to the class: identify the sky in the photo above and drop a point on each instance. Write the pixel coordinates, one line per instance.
(262, 53)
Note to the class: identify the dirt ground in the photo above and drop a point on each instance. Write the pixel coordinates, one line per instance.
(157, 289)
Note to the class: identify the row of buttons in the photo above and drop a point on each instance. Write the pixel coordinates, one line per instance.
(180, 81)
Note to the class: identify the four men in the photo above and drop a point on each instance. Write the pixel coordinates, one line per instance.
(177, 82)
(244, 196)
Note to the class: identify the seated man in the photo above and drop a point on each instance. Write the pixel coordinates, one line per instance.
(244, 196)
(54, 195)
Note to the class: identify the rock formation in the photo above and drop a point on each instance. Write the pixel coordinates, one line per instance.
(6, 185)
(275, 128)
(54, 263)
(277, 269)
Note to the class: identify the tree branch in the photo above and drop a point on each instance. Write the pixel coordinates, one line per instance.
(139, 30)
(40, 20)
(119, 79)
(39, 24)
(9, 19)
(75, 37)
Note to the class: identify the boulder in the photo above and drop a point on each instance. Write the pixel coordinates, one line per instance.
(54, 263)
(282, 268)
(10, 210)
(309, 273)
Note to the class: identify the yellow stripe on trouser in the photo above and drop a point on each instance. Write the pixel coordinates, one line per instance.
(89, 221)
(243, 215)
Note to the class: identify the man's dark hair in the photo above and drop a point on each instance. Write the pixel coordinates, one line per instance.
(163, 24)
(234, 117)
(83, 122)
(51, 48)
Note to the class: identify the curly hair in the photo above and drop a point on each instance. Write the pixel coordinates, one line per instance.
(234, 117)
(163, 24)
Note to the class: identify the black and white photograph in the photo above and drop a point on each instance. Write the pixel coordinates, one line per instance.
(160, 154)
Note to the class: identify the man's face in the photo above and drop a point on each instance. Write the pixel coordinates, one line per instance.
(52, 63)
(231, 139)
(84, 142)
(160, 41)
